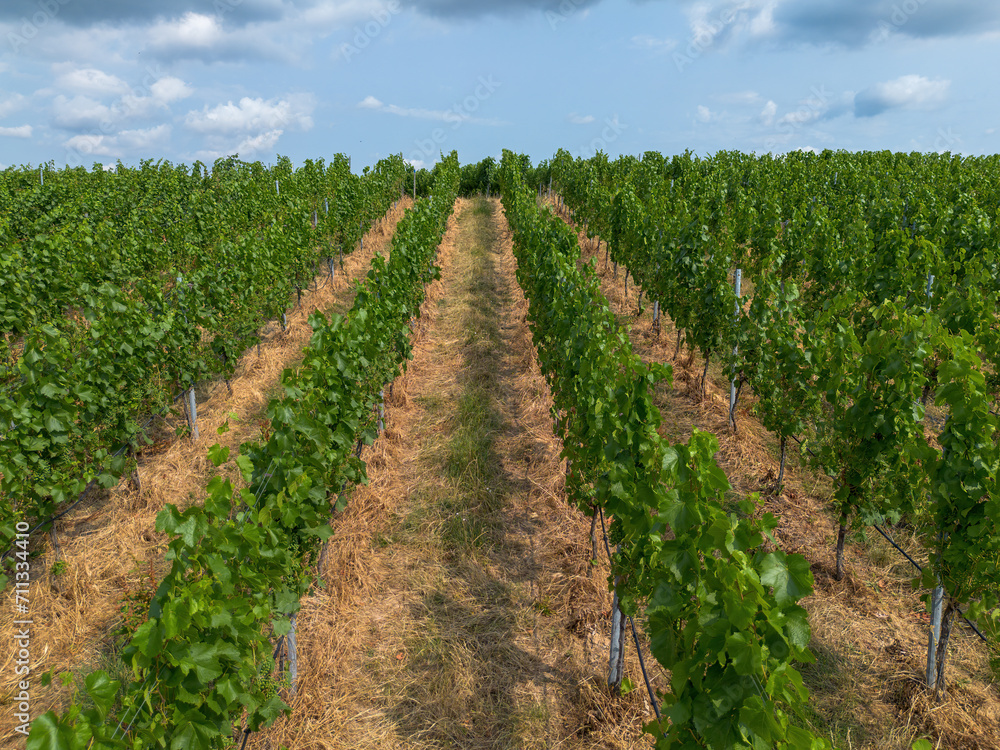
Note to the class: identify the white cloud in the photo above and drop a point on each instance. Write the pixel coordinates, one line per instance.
(154, 101)
(418, 163)
(191, 30)
(580, 119)
(705, 22)
(145, 103)
(79, 113)
(457, 114)
(90, 81)
(170, 30)
(263, 142)
(327, 15)
(767, 114)
(87, 113)
(763, 23)
(12, 104)
(850, 23)
(652, 43)
(90, 145)
(822, 105)
(905, 92)
(21, 131)
(713, 20)
(141, 142)
(253, 116)
(169, 89)
(61, 47)
(248, 147)
(739, 97)
(205, 37)
(802, 116)
(704, 113)
(251, 127)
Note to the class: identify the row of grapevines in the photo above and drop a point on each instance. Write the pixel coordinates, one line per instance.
(841, 343)
(76, 385)
(89, 228)
(721, 610)
(241, 561)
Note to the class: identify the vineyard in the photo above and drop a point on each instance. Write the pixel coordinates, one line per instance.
(580, 461)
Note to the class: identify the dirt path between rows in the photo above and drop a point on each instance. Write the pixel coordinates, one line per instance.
(108, 546)
(459, 610)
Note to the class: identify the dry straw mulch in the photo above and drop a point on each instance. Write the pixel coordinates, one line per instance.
(417, 643)
(108, 546)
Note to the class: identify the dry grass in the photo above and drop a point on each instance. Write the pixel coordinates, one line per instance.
(461, 611)
(108, 543)
(869, 631)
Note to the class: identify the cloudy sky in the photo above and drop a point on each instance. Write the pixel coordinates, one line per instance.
(84, 81)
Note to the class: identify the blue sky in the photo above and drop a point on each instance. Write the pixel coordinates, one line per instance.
(84, 81)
